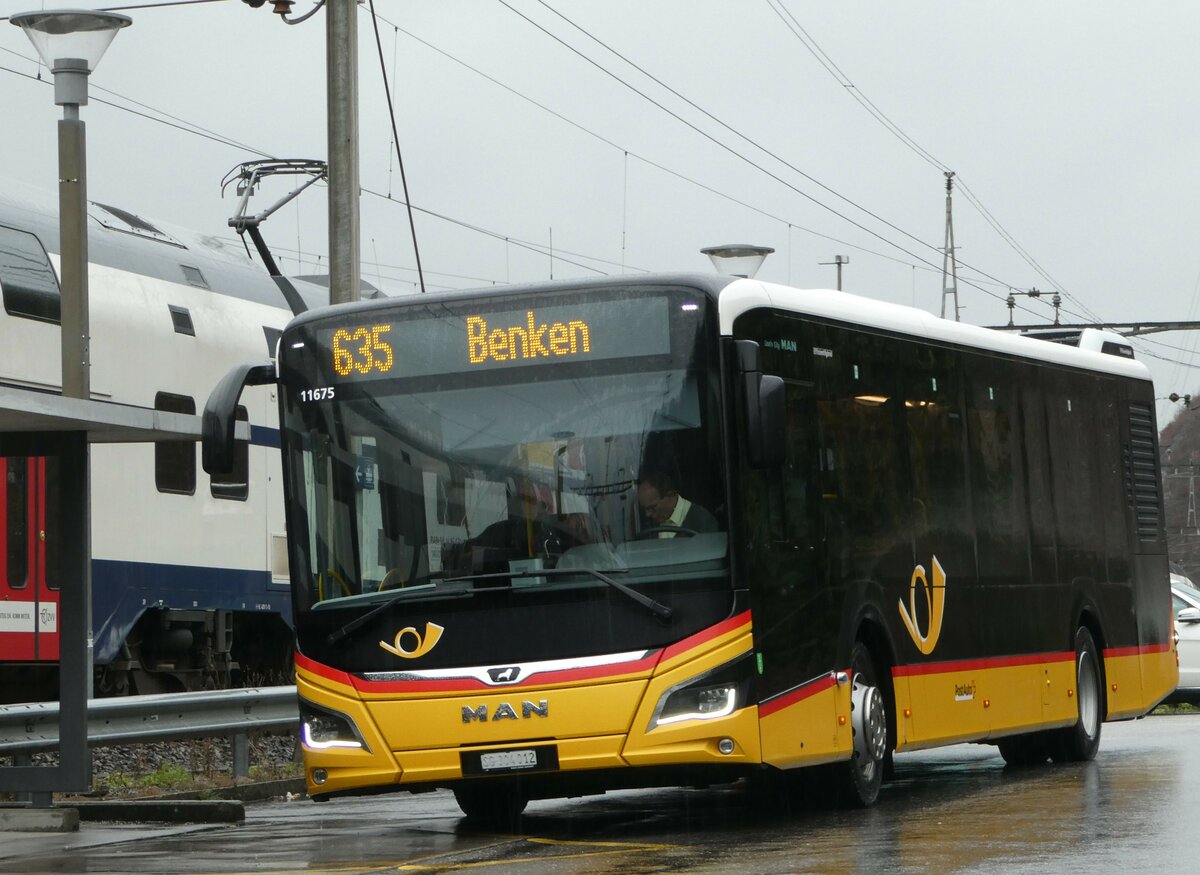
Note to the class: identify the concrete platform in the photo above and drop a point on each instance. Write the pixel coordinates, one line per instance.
(23, 819)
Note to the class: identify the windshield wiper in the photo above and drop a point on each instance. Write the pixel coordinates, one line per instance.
(663, 612)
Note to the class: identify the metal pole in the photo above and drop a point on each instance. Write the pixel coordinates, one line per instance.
(73, 254)
(949, 257)
(73, 317)
(341, 57)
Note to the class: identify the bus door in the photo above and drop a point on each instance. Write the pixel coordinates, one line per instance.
(29, 593)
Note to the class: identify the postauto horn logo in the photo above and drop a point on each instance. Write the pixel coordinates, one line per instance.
(935, 602)
(424, 643)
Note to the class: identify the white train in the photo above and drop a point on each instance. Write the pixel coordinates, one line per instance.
(189, 573)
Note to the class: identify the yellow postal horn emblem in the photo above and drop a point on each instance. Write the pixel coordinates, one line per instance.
(425, 643)
(935, 601)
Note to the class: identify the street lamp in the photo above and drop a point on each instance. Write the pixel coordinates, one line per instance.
(839, 260)
(737, 259)
(71, 43)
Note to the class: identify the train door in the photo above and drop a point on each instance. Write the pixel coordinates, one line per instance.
(29, 586)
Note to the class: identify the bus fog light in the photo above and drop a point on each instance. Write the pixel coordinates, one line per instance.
(725, 746)
(319, 776)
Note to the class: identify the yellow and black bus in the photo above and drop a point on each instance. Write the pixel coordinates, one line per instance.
(553, 539)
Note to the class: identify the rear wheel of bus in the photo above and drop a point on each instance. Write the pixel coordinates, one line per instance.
(1080, 742)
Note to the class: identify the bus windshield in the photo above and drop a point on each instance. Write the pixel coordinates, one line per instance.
(421, 482)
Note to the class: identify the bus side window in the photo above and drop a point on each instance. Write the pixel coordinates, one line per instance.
(863, 495)
(996, 473)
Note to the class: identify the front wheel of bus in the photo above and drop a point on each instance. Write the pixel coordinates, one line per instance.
(492, 804)
(1079, 743)
(859, 780)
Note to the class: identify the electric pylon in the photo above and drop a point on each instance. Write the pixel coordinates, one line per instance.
(949, 260)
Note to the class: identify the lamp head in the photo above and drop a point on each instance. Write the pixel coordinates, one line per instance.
(71, 33)
(737, 259)
(71, 43)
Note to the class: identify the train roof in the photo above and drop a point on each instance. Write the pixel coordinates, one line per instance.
(122, 239)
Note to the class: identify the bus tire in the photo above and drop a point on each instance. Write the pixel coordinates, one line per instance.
(1022, 751)
(857, 781)
(1079, 743)
(492, 804)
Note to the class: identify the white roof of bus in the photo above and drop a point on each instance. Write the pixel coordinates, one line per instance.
(742, 295)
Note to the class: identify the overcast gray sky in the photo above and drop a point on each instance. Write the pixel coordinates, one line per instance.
(1072, 123)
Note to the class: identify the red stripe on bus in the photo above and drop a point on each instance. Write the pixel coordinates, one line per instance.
(799, 694)
(705, 635)
(324, 671)
(901, 671)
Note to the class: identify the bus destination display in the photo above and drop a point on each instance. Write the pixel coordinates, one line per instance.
(482, 340)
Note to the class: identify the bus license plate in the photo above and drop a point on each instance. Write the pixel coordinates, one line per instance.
(506, 760)
(539, 758)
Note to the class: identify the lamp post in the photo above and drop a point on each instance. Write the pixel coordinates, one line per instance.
(737, 259)
(71, 43)
(839, 260)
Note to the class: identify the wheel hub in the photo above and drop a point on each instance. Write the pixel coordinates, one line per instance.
(868, 722)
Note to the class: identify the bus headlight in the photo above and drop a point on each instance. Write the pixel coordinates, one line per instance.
(715, 693)
(322, 729)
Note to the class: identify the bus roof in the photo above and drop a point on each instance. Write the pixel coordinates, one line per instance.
(736, 296)
(743, 295)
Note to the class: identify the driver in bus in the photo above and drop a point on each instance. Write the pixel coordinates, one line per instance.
(664, 507)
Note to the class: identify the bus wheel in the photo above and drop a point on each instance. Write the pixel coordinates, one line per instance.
(859, 780)
(1021, 751)
(492, 804)
(1079, 743)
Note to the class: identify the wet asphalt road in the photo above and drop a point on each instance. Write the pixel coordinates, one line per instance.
(1135, 809)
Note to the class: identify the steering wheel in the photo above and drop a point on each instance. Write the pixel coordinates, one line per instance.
(678, 530)
(391, 578)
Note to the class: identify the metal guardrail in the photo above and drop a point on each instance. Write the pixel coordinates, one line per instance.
(29, 728)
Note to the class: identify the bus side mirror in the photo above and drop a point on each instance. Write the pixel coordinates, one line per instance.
(220, 414)
(762, 407)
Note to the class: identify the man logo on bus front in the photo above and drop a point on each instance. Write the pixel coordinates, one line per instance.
(935, 602)
(425, 643)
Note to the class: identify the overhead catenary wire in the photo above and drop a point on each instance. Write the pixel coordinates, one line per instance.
(387, 90)
(185, 126)
(736, 133)
(196, 130)
(153, 114)
(922, 265)
(823, 58)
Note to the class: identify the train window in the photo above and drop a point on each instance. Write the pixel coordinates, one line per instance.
(182, 320)
(27, 281)
(236, 484)
(273, 335)
(128, 223)
(16, 506)
(175, 461)
(194, 276)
